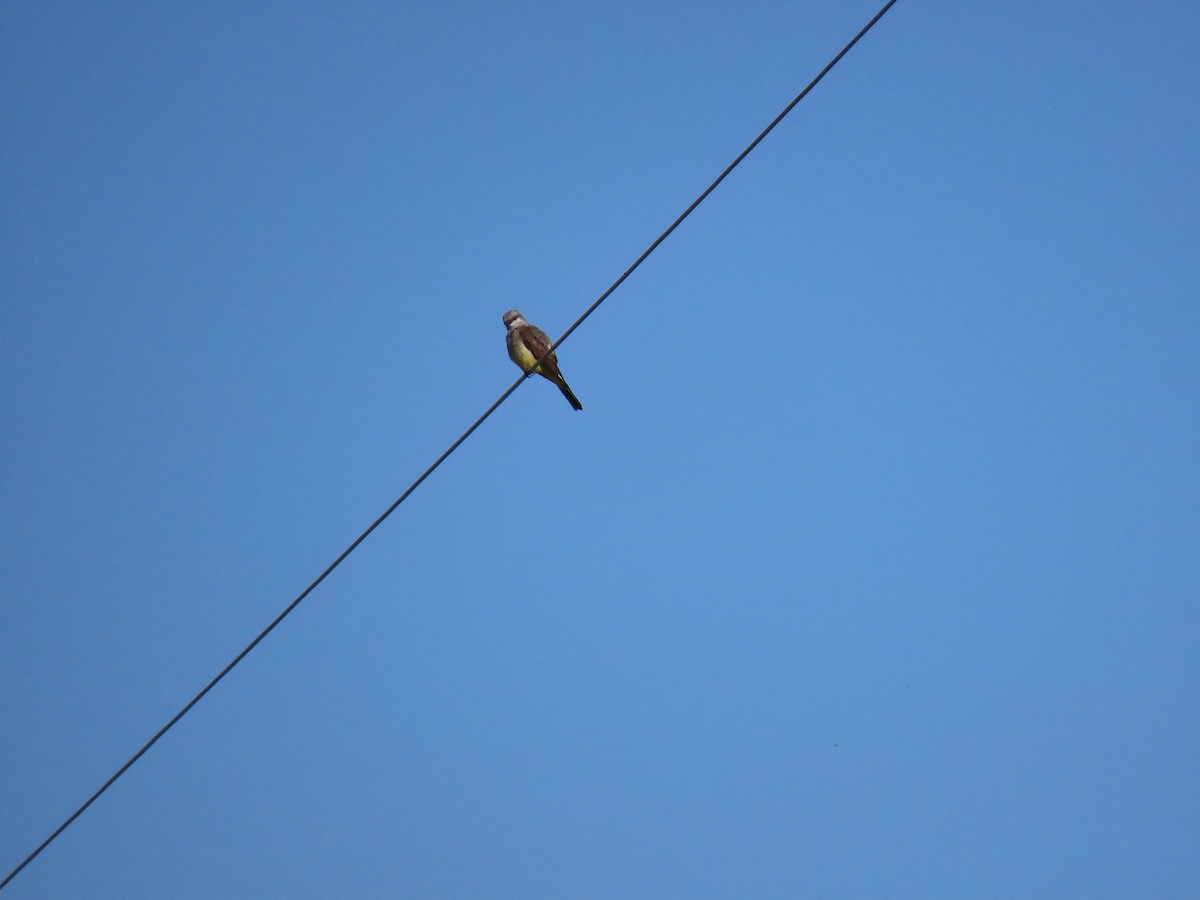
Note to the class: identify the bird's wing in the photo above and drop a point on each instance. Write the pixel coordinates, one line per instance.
(536, 340)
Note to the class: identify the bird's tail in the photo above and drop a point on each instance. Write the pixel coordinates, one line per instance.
(569, 394)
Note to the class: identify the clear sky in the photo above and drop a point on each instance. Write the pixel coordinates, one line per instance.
(869, 569)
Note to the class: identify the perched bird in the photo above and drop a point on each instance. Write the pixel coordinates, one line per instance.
(527, 344)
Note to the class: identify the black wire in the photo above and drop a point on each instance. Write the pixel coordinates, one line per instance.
(733, 165)
(466, 434)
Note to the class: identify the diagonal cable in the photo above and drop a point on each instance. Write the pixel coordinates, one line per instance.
(466, 434)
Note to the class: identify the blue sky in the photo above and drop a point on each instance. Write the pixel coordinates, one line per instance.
(869, 569)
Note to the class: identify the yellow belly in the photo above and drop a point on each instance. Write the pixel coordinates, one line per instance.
(520, 354)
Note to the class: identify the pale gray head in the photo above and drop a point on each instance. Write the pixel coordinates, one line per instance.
(513, 317)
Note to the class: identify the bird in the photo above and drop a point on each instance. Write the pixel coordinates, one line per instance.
(526, 345)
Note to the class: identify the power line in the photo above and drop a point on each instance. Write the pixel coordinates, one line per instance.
(441, 459)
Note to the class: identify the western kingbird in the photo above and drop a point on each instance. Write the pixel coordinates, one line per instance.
(527, 344)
